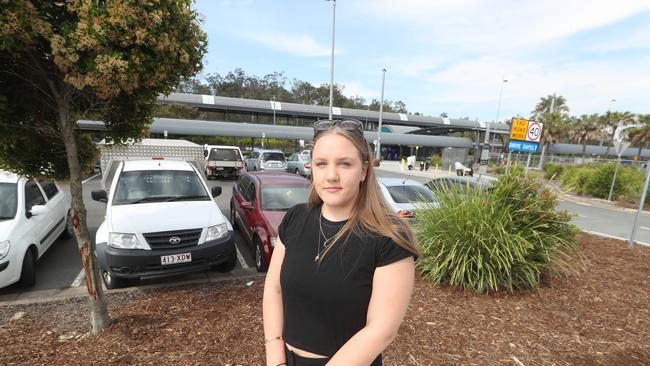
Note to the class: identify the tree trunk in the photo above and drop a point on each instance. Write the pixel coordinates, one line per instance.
(99, 317)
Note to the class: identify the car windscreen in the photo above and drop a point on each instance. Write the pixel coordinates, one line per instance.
(8, 200)
(224, 154)
(273, 156)
(283, 197)
(410, 194)
(142, 186)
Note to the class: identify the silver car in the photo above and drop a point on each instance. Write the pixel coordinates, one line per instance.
(404, 195)
(299, 163)
(261, 159)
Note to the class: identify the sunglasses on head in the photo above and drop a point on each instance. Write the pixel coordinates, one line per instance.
(345, 124)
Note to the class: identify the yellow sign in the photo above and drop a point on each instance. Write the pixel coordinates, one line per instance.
(519, 129)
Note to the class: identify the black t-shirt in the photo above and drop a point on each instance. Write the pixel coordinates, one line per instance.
(326, 303)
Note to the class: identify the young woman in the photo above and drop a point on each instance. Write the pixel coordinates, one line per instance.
(342, 271)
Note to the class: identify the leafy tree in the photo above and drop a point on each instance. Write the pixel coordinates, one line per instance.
(60, 60)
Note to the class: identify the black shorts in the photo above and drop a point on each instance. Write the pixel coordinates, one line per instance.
(295, 360)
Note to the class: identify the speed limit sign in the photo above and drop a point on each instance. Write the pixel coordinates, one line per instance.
(534, 131)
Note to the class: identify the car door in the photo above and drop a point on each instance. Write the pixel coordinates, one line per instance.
(57, 210)
(291, 163)
(40, 225)
(238, 198)
(250, 215)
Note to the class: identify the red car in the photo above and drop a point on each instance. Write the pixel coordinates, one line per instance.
(258, 204)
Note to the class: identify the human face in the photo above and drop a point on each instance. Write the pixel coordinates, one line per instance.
(337, 172)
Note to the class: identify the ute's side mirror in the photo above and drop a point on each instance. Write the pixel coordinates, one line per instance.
(99, 195)
(216, 191)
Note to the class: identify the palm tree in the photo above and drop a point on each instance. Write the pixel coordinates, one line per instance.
(553, 111)
(586, 128)
(558, 104)
(641, 135)
(610, 121)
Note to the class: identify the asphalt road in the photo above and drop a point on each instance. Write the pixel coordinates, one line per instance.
(61, 267)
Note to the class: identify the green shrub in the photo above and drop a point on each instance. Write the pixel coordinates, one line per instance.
(552, 171)
(436, 160)
(506, 238)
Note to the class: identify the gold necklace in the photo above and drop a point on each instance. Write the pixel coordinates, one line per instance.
(322, 233)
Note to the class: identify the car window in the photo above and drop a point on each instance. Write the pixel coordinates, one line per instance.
(409, 194)
(49, 188)
(241, 182)
(33, 196)
(142, 186)
(8, 200)
(249, 190)
(224, 154)
(283, 197)
(273, 156)
(293, 157)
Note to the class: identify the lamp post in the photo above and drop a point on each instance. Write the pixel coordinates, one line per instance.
(381, 113)
(485, 153)
(332, 61)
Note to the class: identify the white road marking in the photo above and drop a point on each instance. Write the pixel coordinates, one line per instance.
(77, 281)
(614, 237)
(241, 259)
(644, 228)
(90, 178)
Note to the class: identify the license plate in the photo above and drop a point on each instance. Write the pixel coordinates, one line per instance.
(175, 258)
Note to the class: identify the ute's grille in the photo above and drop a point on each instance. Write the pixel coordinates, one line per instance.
(163, 239)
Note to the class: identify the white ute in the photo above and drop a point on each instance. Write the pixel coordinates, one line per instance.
(33, 214)
(161, 220)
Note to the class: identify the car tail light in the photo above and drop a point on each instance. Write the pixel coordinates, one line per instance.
(157, 158)
(307, 165)
(406, 214)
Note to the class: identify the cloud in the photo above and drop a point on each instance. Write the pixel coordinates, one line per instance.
(354, 88)
(299, 45)
(496, 25)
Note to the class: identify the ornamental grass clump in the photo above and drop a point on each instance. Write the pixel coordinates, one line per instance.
(505, 238)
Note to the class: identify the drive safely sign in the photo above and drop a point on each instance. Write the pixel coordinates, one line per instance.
(525, 135)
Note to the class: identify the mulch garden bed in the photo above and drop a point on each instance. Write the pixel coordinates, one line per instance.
(599, 317)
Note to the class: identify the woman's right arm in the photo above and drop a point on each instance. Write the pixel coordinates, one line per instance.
(272, 311)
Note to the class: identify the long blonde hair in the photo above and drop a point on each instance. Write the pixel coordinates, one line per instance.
(370, 213)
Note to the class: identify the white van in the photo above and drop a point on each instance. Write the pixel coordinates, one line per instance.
(161, 220)
(222, 161)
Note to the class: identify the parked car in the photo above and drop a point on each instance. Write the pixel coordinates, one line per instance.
(299, 163)
(33, 214)
(161, 220)
(261, 159)
(461, 182)
(222, 161)
(258, 204)
(405, 195)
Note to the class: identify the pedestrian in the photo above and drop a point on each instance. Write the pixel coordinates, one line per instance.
(342, 270)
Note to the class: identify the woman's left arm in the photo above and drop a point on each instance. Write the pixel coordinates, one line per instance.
(392, 286)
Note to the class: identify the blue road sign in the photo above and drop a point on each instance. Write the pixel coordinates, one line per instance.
(530, 147)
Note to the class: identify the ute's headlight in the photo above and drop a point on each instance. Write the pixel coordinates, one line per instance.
(4, 248)
(274, 239)
(123, 241)
(216, 232)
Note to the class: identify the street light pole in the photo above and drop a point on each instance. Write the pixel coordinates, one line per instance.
(274, 110)
(332, 61)
(485, 153)
(381, 114)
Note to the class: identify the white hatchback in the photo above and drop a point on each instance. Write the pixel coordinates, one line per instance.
(33, 214)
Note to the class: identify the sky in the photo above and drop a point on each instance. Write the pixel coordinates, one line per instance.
(445, 56)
